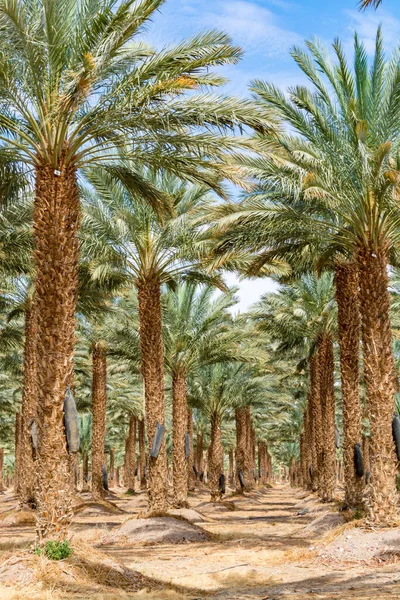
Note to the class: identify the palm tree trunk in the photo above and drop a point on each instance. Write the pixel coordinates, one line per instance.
(346, 279)
(85, 469)
(179, 428)
(231, 468)
(249, 464)
(199, 453)
(99, 402)
(131, 455)
(316, 420)
(152, 352)
(241, 449)
(27, 479)
(216, 454)
(190, 460)
(2, 488)
(112, 466)
(17, 467)
(142, 454)
(56, 222)
(378, 374)
(328, 420)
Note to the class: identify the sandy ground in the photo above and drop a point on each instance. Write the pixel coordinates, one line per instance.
(255, 547)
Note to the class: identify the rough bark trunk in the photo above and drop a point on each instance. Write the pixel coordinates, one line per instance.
(199, 453)
(112, 466)
(152, 352)
(231, 468)
(85, 469)
(131, 456)
(241, 449)
(179, 428)
(2, 488)
(216, 454)
(316, 421)
(378, 363)
(99, 401)
(142, 454)
(27, 480)
(249, 454)
(117, 477)
(190, 460)
(56, 222)
(328, 420)
(17, 467)
(347, 299)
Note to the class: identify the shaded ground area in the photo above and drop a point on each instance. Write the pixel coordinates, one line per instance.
(274, 543)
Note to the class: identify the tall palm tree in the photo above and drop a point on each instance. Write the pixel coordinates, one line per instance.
(198, 331)
(217, 390)
(76, 85)
(147, 250)
(301, 317)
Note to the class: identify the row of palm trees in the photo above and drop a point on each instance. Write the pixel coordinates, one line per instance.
(121, 150)
(327, 201)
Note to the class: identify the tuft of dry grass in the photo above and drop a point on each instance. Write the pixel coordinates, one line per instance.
(331, 535)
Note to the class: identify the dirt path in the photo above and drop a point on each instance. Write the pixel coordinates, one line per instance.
(257, 551)
(261, 550)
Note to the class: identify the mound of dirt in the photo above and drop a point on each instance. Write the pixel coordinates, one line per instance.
(359, 545)
(156, 530)
(18, 517)
(85, 569)
(17, 570)
(215, 507)
(187, 514)
(323, 524)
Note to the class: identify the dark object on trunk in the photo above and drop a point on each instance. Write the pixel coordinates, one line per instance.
(187, 445)
(396, 434)
(71, 422)
(310, 471)
(358, 460)
(136, 471)
(241, 478)
(157, 440)
(195, 471)
(367, 476)
(104, 477)
(221, 483)
(337, 438)
(202, 476)
(33, 430)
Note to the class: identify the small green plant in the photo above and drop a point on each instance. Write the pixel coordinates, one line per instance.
(55, 550)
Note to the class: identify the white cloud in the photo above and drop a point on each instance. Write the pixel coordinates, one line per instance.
(253, 26)
(366, 24)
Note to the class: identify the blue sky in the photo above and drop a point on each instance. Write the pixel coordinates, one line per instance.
(266, 30)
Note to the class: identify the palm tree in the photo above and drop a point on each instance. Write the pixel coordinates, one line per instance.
(85, 430)
(148, 250)
(331, 183)
(76, 85)
(217, 390)
(198, 331)
(301, 317)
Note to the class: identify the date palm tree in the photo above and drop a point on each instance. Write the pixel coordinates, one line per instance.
(147, 250)
(217, 390)
(198, 331)
(302, 317)
(76, 85)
